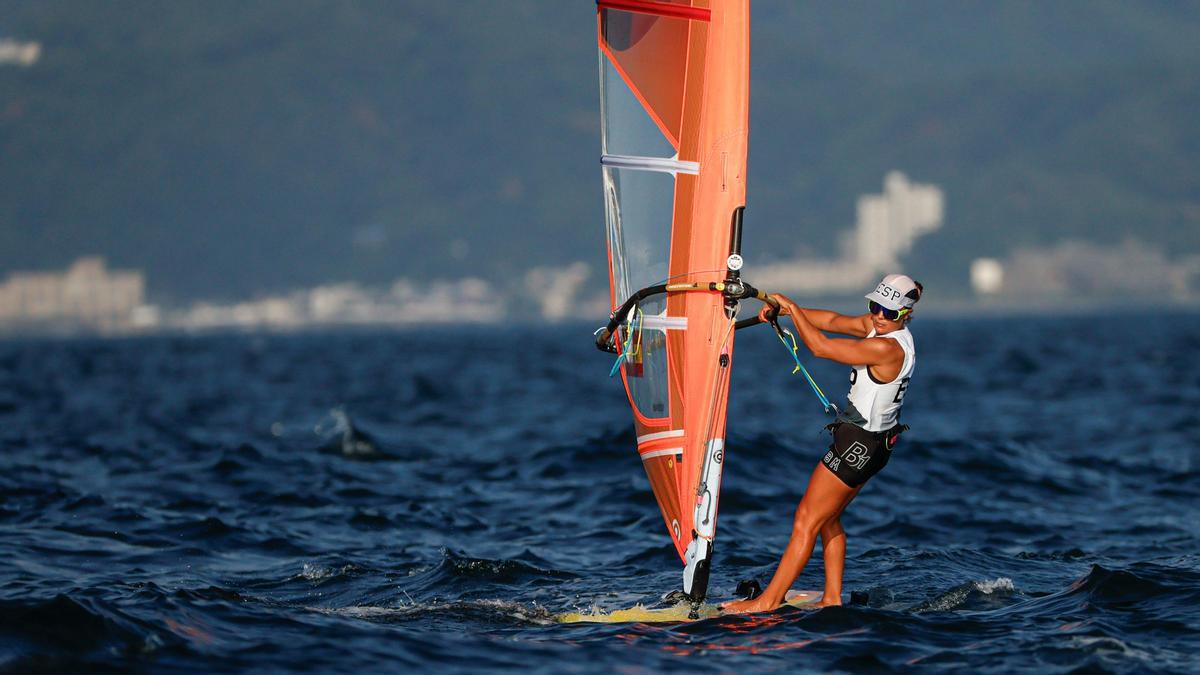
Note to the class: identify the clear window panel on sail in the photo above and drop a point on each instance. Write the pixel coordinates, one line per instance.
(639, 208)
(627, 129)
(639, 211)
(646, 365)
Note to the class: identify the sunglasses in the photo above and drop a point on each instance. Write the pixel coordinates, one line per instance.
(889, 314)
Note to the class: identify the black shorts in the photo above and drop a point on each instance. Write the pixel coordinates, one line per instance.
(857, 454)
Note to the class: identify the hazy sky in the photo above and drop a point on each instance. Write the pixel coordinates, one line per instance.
(234, 149)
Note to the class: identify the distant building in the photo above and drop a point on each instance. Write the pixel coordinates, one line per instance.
(987, 276)
(1082, 270)
(19, 53)
(889, 223)
(405, 303)
(887, 226)
(87, 296)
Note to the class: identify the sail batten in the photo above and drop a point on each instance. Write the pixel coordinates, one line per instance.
(663, 164)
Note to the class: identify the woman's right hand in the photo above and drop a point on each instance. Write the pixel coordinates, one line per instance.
(763, 314)
(785, 303)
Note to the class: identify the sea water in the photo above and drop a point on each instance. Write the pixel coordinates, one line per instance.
(434, 499)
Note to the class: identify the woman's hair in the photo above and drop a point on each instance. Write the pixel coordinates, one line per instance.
(919, 291)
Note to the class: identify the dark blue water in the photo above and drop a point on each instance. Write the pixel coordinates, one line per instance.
(374, 502)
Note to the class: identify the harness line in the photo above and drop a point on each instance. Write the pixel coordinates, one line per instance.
(793, 348)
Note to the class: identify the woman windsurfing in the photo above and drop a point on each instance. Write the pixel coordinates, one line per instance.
(882, 360)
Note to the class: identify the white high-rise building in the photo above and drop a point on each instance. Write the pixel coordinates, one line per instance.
(889, 223)
(887, 226)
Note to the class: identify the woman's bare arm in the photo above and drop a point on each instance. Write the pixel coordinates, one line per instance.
(833, 322)
(869, 352)
(823, 319)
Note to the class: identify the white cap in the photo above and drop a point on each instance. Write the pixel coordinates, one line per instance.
(896, 291)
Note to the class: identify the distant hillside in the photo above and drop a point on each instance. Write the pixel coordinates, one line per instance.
(229, 148)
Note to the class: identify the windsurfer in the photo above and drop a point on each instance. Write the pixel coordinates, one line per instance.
(882, 358)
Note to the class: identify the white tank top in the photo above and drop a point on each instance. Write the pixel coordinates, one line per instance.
(874, 405)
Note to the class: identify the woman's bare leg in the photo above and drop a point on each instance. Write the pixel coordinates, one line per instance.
(824, 499)
(833, 550)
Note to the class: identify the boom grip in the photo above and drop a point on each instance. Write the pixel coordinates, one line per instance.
(772, 316)
(604, 338)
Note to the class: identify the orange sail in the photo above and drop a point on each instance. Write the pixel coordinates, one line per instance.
(674, 79)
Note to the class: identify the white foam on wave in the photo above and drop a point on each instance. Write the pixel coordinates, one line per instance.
(365, 612)
(315, 572)
(1107, 647)
(957, 596)
(1002, 584)
(515, 610)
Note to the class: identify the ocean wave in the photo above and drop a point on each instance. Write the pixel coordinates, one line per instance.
(67, 634)
(1137, 585)
(318, 572)
(189, 516)
(490, 611)
(971, 595)
(456, 573)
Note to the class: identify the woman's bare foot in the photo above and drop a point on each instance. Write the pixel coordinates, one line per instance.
(831, 601)
(746, 606)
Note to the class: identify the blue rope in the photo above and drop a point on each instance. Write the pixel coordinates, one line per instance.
(793, 349)
(623, 355)
(616, 365)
